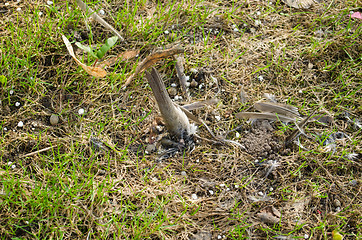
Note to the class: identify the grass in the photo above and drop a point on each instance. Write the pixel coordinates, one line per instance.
(76, 189)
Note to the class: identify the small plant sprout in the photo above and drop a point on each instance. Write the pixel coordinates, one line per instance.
(110, 42)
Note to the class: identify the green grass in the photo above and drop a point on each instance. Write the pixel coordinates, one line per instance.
(307, 58)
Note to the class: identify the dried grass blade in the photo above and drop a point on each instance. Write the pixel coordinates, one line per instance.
(268, 116)
(299, 126)
(94, 71)
(280, 108)
(181, 75)
(98, 18)
(201, 104)
(152, 59)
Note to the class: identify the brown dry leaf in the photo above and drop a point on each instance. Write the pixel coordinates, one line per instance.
(152, 59)
(94, 71)
(120, 57)
(299, 3)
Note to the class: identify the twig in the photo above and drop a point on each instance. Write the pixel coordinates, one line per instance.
(39, 151)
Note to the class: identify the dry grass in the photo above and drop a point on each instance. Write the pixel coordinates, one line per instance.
(307, 58)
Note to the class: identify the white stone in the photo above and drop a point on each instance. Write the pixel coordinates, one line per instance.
(101, 12)
(6, 4)
(183, 173)
(81, 111)
(271, 189)
(17, 104)
(50, 2)
(20, 124)
(10, 163)
(236, 186)
(5, 129)
(173, 85)
(166, 32)
(237, 135)
(217, 118)
(18, 9)
(194, 196)
(211, 192)
(260, 78)
(258, 13)
(13, 166)
(40, 13)
(306, 236)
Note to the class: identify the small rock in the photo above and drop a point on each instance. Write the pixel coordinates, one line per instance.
(17, 104)
(18, 9)
(173, 85)
(13, 166)
(50, 2)
(81, 111)
(183, 173)
(11, 92)
(337, 203)
(166, 32)
(20, 124)
(193, 83)
(211, 192)
(172, 91)
(101, 12)
(217, 118)
(54, 119)
(194, 196)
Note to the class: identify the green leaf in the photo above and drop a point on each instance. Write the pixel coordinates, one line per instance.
(86, 49)
(109, 43)
(3, 80)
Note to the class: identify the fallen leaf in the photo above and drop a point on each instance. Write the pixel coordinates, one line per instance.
(152, 59)
(299, 3)
(356, 15)
(94, 71)
(120, 57)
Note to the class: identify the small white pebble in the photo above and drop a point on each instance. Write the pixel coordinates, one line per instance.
(306, 236)
(201, 85)
(147, 152)
(18, 9)
(183, 173)
(17, 104)
(258, 13)
(50, 2)
(257, 22)
(159, 128)
(300, 91)
(18, 1)
(211, 192)
(40, 13)
(237, 135)
(261, 193)
(236, 186)
(13, 166)
(5, 129)
(194, 196)
(188, 84)
(166, 32)
(271, 189)
(20, 124)
(173, 85)
(10, 163)
(338, 209)
(176, 98)
(187, 78)
(222, 185)
(101, 12)
(261, 78)
(194, 70)
(228, 189)
(197, 160)
(33, 129)
(81, 111)
(217, 118)
(6, 4)
(236, 30)
(234, 26)
(219, 237)
(245, 24)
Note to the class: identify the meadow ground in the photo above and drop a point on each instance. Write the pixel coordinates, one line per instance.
(93, 174)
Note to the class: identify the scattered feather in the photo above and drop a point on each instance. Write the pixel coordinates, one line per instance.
(268, 218)
(181, 75)
(279, 108)
(299, 3)
(98, 18)
(94, 71)
(268, 116)
(201, 104)
(270, 97)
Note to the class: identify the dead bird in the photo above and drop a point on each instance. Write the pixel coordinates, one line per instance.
(176, 121)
